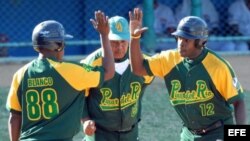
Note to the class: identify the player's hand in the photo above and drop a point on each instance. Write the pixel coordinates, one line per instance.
(135, 23)
(100, 23)
(89, 127)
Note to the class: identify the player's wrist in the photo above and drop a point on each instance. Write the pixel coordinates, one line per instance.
(135, 36)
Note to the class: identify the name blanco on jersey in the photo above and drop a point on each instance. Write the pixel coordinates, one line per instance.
(40, 82)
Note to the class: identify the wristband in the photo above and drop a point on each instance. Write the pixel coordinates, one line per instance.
(135, 37)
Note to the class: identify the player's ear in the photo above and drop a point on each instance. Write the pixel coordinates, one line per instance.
(61, 46)
(199, 43)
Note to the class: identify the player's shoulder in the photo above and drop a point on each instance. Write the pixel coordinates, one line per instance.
(171, 56)
(21, 71)
(216, 60)
(24, 67)
(214, 56)
(170, 53)
(70, 66)
(66, 64)
(72, 63)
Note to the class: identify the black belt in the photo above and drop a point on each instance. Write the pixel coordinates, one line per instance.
(126, 129)
(203, 131)
(118, 131)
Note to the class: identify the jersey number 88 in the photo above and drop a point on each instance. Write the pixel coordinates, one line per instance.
(47, 107)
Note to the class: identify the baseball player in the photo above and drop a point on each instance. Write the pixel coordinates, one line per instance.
(45, 97)
(114, 109)
(201, 84)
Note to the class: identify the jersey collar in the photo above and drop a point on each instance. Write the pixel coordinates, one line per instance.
(197, 60)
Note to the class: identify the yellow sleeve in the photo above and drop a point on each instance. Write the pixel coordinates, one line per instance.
(161, 64)
(223, 77)
(80, 77)
(12, 99)
(229, 87)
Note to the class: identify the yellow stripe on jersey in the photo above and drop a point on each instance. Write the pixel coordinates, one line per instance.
(97, 62)
(12, 100)
(87, 92)
(148, 79)
(78, 77)
(161, 64)
(217, 70)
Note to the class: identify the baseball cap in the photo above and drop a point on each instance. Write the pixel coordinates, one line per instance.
(119, 28)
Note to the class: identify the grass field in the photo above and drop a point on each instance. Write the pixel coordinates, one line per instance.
(159, 121)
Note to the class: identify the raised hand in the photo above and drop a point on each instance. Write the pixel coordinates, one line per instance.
(135, 23)
(100, 23)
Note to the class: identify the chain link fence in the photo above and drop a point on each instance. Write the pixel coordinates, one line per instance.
(19, 17)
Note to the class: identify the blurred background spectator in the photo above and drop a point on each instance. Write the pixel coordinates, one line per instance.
(211, 16)
(18, 18)
(239, 20)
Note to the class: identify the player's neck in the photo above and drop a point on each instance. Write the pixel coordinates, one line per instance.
(44, 56)
(198, 53)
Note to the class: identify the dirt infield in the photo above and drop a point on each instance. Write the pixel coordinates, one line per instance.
(241, 65)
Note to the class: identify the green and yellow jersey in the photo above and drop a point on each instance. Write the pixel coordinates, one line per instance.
(116, 105)
(200, 90)
(49, 96)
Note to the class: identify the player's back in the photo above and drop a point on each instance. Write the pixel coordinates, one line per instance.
(50, 99)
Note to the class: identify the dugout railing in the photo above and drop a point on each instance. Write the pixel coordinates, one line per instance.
(88, 43)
